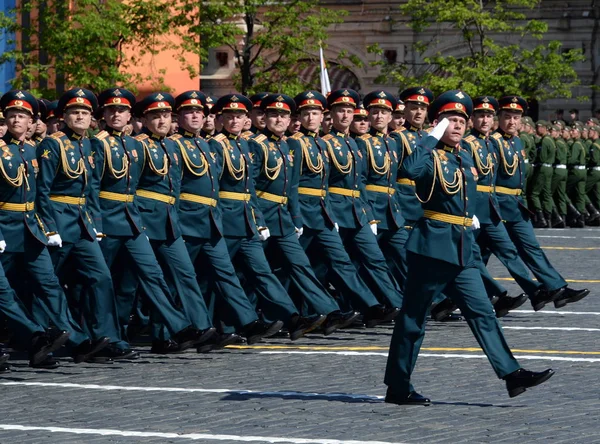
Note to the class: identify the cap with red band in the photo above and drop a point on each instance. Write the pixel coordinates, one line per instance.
(19, 100)
(347, 97)
(417, 94)
(77, 97)
(278, 102)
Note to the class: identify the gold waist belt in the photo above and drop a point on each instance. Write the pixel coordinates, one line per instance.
(511, 191)
(198, 199)
(312, 191)
(380, 189)
(272, 197)
(68, 200)
(117, 197)
(344, 192)
(448, 218)
(156, 196)
(405, 182)
(234, 196)
(20, 207)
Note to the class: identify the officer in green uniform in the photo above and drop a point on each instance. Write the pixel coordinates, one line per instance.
(380, 154)
(244, 225)
(360, 122)
(119, 160)
(442, 240)
(66, 204)
(276, 177)
(576, 180)
(592, 185)
(559, 179)
(320, 231)
(202, 227)
(541, 187)
(509, 190)
(492, 234)
(416, 101)
(156, 195)
(398, 118)
(53, 122)
(349, 202)
(526, 135)
(257, 115)
(23, 252)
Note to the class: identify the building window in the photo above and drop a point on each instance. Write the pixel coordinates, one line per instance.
(390, 56)
(222, 58)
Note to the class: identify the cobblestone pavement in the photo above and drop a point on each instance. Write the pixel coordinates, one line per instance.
(329, 390)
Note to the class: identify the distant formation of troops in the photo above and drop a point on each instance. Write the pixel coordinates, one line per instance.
(212, 222)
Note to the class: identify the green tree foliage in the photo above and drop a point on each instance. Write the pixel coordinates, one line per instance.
(83, 42)
(489, 65)
(271, 40)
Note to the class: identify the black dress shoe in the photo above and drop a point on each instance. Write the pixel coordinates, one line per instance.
(165, 347)
(219, 342)
(519, 381)
(258, 329)
(337, 319)
(543, 297)
(4, 357)
(113, 353)
(299, 325)
(4, 368)
(413, 398)
(505, 303)
(42, 345)
(48, 363)
(379, 314)
(442, 310)
(87, 349)
(569, 296)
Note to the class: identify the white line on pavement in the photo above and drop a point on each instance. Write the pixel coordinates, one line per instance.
(191, 390)
(512, 327)
(594, 313)
(190, 436)
(431, 355)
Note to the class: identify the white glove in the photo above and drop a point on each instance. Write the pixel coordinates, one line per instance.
(2, 246)
(440, 129)
(336, 226)
(54, 240)
(476, 225)
(99, 236)
(264, 234)
(374, 228)
(300, 231)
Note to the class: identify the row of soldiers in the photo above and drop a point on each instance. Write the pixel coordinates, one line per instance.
(237, 230)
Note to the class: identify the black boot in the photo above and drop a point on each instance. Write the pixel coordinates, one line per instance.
(540, 220)
(574, 217)
(556, 220)
(593, 214)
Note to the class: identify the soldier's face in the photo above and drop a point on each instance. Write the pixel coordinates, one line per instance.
(191, 119)
(311, 119)
(295, 124)
(40, 128)
(277, 122)
(158, 122)
(566, 134)
(18, 122)
(78, 119)
(542, 130)
(360, 125)
(327, 123)
(415, 113)
(257, 116)
(209, 123)
(116, 117)
(456, 128)
(379, 118)
(53, 125)
(397, 120)
(342, 116)
(508, 121)
(482, 121)
(233, 121)
(3, 127)
(555, 134)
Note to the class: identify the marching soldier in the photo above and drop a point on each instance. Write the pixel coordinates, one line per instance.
(576, 179)
(398, 119)
(349, 203)
(276, 180)
(209, 129)
(65, 206)
(119, 160)
(201, 223)
(320, 231)
(156, 195)
(244, 225)
(257, 115)
(24, 255)
(416, 101)
(559, 179)
(541, 187)
(592, 185)
(509, 190)
(442, 240)
(360, 122)
(380, 154)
